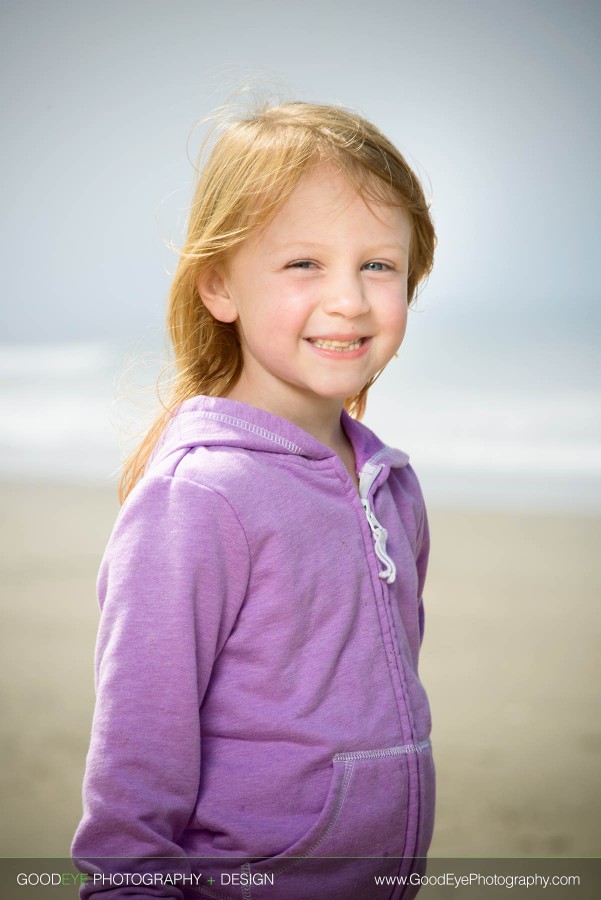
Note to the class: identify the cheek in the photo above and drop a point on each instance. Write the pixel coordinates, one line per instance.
(404, 317)
(286, 311)
(395, 314)
(270, 328)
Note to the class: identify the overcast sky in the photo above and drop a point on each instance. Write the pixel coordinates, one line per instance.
(496, 104)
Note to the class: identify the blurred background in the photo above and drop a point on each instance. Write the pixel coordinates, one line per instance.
(496, 394)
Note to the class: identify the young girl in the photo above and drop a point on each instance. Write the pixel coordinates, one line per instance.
(260, 722)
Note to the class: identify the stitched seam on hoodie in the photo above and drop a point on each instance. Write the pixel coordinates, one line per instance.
(210, 892)
(248, 426)
(381, 612)
(402, 750)
(348, 774)
(385, 595)
(396, 661)
(400, 665)
(246, 888)
(379, 454)
(386, 449)
(233, 511)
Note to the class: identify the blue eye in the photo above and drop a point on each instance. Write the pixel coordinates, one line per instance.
(383, 266)
(301, 264)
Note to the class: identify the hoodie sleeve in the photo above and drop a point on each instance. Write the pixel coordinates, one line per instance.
(171, 583)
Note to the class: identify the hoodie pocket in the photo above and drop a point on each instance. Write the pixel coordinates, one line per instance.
(372, 814)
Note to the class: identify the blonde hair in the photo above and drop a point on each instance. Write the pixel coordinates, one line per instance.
(254, 166)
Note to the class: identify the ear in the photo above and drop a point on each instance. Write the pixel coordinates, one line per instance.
(214, 293)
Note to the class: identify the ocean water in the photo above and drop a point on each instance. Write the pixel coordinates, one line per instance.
(70, 412)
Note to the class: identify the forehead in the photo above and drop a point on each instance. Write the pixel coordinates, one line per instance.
(325, 204)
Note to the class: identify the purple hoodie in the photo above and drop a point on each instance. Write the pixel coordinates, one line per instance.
(256, 668)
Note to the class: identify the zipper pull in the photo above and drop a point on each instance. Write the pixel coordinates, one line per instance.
(380, 535)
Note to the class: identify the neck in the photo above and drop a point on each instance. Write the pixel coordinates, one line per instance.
(319, 417)
(326, 427)
(321, 420)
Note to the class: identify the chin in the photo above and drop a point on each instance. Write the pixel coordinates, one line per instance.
(348, 390)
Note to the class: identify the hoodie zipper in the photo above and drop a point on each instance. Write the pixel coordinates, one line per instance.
(369, 473)
(367, 478)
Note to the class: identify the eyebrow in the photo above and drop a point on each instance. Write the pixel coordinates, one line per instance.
(307, 245)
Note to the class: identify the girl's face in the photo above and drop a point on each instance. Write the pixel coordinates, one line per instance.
(319, 297)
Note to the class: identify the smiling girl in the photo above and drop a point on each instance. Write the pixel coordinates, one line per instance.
(259, 716)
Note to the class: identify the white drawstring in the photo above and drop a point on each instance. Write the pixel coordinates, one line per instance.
(380, 535)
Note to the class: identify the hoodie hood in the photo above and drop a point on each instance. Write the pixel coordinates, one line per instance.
(221, 422)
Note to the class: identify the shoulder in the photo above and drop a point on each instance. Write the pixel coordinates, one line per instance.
(410, 481)
(170, 535)
(411, 498)
(178, 510)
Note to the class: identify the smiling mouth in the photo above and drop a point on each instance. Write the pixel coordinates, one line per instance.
(340, 346)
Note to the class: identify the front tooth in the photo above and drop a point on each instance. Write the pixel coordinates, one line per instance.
(338, 345)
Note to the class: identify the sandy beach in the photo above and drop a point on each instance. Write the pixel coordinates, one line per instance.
(510, 661)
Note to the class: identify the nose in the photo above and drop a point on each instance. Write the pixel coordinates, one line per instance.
(344, 294)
